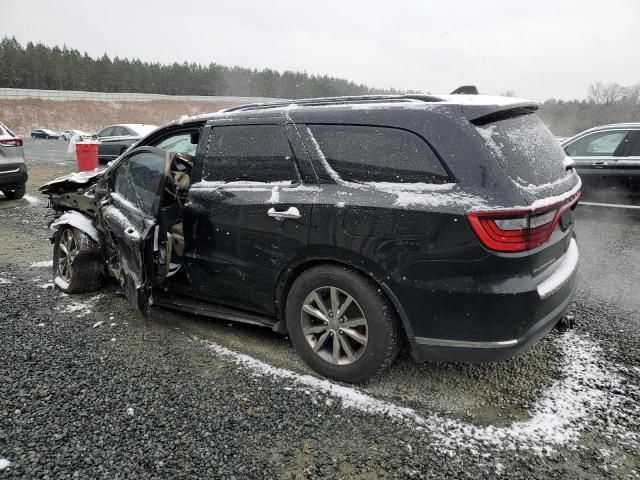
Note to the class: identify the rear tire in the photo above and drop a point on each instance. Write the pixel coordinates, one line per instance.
(77, 267)
(365, 332)
(16, 192)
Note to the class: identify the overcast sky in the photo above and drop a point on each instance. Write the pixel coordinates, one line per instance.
(539, 48)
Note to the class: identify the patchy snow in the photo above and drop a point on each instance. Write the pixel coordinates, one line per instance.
(81, 309)
(410, 187)
(77, 177)
(47, 285)
(569, 162)
(564, 411)
(79, 221)
(4, 463)
(130, 411)
(35, 201)
(316, 146)
(545, 202)
(240, 184)
(275, 195)
(494, 144)
(486, 100)
(97, 324)
(5, 281)
(43, 264)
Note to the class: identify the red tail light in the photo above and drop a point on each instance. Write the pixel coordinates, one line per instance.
(518, 230)
(11, 142)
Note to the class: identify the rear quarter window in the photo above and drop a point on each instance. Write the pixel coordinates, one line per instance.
(526, 149)
(378, 154)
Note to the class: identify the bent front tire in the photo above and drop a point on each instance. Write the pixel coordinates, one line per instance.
(76, 262)
(341, 324)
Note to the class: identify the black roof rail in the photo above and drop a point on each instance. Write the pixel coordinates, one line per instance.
(333, 101)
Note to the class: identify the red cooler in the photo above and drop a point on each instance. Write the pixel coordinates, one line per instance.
(87, 155)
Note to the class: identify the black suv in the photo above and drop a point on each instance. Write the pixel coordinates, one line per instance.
(350, 223)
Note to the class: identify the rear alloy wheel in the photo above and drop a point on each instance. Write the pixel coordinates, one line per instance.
(334, 326)
(76, 263)
(341, 324)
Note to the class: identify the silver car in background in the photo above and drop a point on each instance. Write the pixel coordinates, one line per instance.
(13, 170)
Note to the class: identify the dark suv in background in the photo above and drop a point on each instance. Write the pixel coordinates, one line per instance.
(13, 169)
(349, 223)
(607, 156)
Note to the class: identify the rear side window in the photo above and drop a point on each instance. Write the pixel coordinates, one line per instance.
(252, 153)
(596, 144)
(526, 149)
(181, 143)
(378, 154)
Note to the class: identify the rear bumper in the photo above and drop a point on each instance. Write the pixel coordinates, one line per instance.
(13, 173)
(491, 324)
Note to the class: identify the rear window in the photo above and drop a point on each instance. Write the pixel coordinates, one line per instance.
(254, 153)
(378, 154)
(525, 147)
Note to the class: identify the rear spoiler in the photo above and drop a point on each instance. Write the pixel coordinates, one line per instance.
(483, 109)
(483, 114)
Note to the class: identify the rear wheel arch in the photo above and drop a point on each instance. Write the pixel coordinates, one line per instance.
(289, 276)
(382, 333)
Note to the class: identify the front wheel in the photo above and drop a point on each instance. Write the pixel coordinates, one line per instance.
(341, 324)
(76, 262)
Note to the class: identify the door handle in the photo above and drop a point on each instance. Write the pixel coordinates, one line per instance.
(291, 212)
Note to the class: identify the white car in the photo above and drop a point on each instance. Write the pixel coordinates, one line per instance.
(69, 134)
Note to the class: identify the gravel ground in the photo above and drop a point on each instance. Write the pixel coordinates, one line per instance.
(90, 389)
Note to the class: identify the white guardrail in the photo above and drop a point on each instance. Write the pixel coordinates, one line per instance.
(66, 95)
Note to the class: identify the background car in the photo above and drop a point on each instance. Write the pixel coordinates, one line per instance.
(115, 139)
(69, 134)
(44, 133)
(13, 170)
(607, 156)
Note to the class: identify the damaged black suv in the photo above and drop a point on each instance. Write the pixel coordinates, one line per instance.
(352, 224)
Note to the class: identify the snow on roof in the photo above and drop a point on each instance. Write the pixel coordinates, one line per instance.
(485, 100)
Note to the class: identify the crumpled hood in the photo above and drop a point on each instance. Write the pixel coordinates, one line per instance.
(73, 181)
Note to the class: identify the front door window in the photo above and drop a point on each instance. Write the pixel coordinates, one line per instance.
(138, 180)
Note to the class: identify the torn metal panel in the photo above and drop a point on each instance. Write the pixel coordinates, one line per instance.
(79, 221)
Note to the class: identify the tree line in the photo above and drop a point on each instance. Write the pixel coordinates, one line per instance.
(53, 68)
(605, 103)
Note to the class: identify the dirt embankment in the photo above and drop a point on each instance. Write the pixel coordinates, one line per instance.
(22, 116)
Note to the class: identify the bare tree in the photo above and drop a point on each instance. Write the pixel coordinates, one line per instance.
(508, 93)
(606, 94)
(633, 94)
